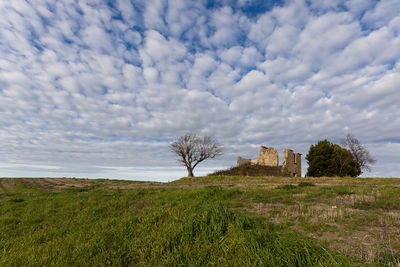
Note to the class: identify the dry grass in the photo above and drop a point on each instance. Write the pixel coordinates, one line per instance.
(369, 234)
(331, 216)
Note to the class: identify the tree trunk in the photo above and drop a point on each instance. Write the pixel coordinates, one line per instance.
(190, 172)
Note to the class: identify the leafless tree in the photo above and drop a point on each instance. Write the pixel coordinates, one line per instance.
(342, 158)
(360, 153)
(193, 149)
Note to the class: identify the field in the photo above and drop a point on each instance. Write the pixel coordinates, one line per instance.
(201, 221)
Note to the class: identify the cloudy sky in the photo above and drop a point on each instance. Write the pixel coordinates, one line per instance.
(95, 88)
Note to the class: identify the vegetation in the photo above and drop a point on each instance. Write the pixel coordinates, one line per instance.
(359, 152)
(328, 159)
(200, 221)
(192, 149)
(248, 170)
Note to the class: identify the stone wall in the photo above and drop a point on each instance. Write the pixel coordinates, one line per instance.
(242, 161)
(298, 164)
(268, 156)
(291, 165)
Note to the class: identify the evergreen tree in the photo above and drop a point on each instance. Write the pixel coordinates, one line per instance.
(328, 159)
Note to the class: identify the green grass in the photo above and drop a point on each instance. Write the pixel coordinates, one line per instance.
(287, 187)
(97, 226)
(318, 227)
(278, 195)
(214, 220)
(389, 200)
(337, 190)
(305, 184)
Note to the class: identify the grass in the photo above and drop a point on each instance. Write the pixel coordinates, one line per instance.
(287, 187)
(200, 221)
(304, 184)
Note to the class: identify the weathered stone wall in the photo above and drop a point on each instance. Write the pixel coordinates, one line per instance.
(254, 161)
(298, 165)
(268, 156)
(291, 165)
(242, 161)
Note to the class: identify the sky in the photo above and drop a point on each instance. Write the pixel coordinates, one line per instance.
(100, 89)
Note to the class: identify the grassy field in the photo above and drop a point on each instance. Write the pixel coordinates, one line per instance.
(201, 221)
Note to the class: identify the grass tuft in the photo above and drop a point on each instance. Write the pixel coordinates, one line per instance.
(304, 184)
(287, 187)
(17, 200)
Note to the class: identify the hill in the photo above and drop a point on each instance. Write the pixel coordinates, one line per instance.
(212, 220)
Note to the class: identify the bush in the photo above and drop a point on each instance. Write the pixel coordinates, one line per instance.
(249, 170)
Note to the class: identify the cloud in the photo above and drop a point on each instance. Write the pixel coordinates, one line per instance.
(99, 88)
(154, 15)
(383, 12)
(222, 21)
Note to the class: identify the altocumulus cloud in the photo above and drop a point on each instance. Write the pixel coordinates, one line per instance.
(100, 88)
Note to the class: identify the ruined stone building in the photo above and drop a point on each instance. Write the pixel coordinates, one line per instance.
(291, 165)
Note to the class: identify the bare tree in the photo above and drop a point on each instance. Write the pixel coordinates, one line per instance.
(343, 159)
(360, 153)
(193, 149)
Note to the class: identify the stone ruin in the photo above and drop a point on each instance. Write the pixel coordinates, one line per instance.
(291, 165)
